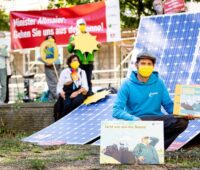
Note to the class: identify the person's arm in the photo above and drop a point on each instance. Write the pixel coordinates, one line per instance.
(84, 87)
(153, 141)
(166, 102)
(120, 103)
(70, 46)
(61, 82)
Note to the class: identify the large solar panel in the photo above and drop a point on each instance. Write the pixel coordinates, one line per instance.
(81, 126)
(175, 41)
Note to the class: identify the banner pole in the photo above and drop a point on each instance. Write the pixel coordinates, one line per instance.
(55, 70)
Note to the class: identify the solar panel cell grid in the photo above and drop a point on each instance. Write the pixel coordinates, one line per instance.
(79, 127)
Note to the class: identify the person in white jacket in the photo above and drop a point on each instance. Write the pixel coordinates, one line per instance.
(72, 88)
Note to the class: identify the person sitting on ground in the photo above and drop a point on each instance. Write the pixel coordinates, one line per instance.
(142, 95)
(72, 88)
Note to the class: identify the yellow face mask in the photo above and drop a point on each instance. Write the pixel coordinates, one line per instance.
(51, 40)
(82, 28)
(145, 71)
(75, 64)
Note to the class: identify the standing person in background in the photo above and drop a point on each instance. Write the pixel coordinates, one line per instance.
(86, 59)
(9, 74)
(3, 71)
(50, 74)
(158, 7)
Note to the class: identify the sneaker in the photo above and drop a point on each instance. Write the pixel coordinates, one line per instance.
(90, 93)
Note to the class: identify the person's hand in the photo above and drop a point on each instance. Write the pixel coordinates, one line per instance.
(62, 94)
(47, 64)
(72, 44)
(99, 45)
(74, 94)
(189, 117)
(141, 158)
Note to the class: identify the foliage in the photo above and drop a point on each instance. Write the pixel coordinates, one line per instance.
(16, 154)
(130, 10)
(37, 164)
(4, 21)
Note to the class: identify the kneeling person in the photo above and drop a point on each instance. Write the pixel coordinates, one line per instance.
(142, 95)
(72, 88)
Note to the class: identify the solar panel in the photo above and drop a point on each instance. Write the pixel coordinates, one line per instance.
(190, 133)
(81, 126)
(175, 41)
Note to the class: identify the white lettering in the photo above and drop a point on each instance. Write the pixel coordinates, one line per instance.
(60, 31)
(23, 22)
(36, 32)
(22, 34)
(44, 20)
(48, 32)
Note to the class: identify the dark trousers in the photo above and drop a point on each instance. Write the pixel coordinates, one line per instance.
(7, 89)
(63, 107)
(172, 126)
(71, 104)
(88, 70)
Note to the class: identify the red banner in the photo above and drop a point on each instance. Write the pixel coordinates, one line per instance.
(29, 28)
(174, 6)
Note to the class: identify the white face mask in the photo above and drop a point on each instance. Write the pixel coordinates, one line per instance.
(158, 9)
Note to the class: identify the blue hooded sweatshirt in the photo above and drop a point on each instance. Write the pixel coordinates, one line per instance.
(136, 99)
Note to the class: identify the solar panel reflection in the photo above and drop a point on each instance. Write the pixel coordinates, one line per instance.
(79, 127)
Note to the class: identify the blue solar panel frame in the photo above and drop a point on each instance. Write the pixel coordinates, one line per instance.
(81, 126)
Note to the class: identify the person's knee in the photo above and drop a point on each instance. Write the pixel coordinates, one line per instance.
(183, 123)
(78, 100)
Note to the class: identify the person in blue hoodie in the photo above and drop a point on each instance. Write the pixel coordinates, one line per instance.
(141, 96)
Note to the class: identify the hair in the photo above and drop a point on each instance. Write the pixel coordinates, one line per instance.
(138, 60)
(47, 37)
(69, 60)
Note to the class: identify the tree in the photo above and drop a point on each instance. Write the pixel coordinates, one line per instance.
(4, 21)
(130, 10)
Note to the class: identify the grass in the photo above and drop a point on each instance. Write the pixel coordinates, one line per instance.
(15, 154)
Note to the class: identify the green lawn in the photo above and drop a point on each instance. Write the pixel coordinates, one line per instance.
(15, 154)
